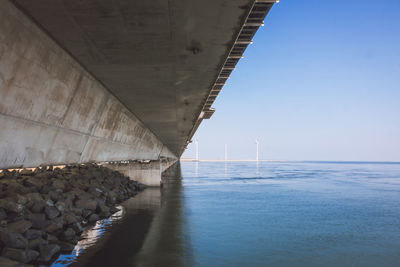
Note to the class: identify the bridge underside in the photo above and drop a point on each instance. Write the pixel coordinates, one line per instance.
(84, 81)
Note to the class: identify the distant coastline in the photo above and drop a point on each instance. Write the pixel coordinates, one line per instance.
(290, 161)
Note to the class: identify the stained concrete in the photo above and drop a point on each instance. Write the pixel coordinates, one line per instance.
(148, 173)
(159, 58)
(52, 111)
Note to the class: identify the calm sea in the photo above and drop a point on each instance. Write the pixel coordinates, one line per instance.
(249, 214)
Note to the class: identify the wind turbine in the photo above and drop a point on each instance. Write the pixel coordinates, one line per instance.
(197, 149)
(257, 143)
(226, 152)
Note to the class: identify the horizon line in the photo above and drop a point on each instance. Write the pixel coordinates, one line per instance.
(278, 160)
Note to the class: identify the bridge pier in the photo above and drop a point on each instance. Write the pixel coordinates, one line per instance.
(145, 172)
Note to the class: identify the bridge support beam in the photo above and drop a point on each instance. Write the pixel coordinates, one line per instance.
(145, 172)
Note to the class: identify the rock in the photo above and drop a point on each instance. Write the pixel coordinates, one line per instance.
(58, 184)
(52, 227)
(36, 243)
(51, 212)
(26, 172)
(3, 215)
(65, 246)
(93, 218)
(49, 202)
(69, 234)
(86, 213)
(51, 238)
(38, 205)
(33, 234)
(19, 226)
(14, 187)
(6, 262)
(114, 210)
(141, 187)
(77, 227)
(21, 255)
(86, 204)
(48, 251)
(38, 220)
(34, 196)
(111, 198)
(55, 195)
(70, 218)
(20, 199)
(9, 205)
(34, 182)
(60, 205)
(77, 211)
(103, 211)
(13, 240)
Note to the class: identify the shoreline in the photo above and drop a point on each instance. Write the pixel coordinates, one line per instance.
(44, 211)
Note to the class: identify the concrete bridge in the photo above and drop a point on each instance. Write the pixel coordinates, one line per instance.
(100, 81)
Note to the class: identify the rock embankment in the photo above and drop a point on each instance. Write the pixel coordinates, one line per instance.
(42, 212)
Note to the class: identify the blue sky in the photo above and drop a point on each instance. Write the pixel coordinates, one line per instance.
(321, 81)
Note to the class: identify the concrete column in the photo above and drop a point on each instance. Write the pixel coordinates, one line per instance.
(145, 172)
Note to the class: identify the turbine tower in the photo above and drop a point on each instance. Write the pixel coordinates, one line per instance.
(257, 143)
(197, 149)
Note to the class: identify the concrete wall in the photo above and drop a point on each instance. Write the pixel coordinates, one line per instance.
(53, 112)
(148, 173)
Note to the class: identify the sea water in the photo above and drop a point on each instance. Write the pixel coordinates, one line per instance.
(257, 214)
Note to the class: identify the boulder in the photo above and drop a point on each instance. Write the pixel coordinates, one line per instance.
(77, 227)
(33, 234)
(10, 205)
(20, 199)
(51, 238)
(34, 182)
(19, 226)
(21, 255)
(69, 234)
(34, 196)
(77, 211)
(65, 246)
(89, 204)
(12, 240)
(52, 228)
(55, 195)
(93, 218)
(6, 262)
(51, 212)
(114, 210)
(58, 184)
(60, 205)
(26, 172)
(3, 214)
(103, 211)
(70, 218)
(38, 220)
(48, 251)
(36, 243)
(38, 205)
(86, 213)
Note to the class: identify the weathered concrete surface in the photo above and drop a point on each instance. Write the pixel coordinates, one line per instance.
(160, 58)
(52, 111)
(148, 173)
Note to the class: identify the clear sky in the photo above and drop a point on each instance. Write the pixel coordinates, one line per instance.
(321, 81)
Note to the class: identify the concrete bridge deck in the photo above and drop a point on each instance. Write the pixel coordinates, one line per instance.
(95, 81)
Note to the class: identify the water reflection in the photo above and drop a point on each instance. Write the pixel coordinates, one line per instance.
(149, 224)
